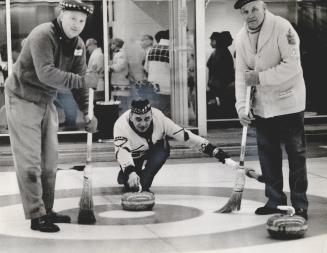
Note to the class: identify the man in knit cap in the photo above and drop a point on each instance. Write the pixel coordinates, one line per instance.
(268, 60)
(52, 58)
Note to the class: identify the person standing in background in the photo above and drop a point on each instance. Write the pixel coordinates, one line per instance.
(121, 88)
(221, 71)
(146, 45)
(158, 69)
(95, 63)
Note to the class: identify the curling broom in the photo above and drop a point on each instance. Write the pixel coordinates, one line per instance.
(86, 212)
(234, 202)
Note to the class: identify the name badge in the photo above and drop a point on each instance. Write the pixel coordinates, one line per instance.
(78, 52)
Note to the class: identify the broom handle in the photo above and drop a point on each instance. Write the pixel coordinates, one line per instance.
(89, 135)
(245, 128)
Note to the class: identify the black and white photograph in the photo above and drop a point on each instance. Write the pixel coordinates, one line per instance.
(169, 126)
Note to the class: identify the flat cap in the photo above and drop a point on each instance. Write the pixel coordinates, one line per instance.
(76, 5)
(240, 3)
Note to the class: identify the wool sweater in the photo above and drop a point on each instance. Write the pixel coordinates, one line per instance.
(49, 61)
(130, 145)
(281, 90)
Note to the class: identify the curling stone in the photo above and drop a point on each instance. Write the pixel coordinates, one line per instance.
(287, 226)
(137, 201)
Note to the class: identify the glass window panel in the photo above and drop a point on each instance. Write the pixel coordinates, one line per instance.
(150, 64)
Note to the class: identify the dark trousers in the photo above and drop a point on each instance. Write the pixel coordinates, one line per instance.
(154, 160)
(271, 134)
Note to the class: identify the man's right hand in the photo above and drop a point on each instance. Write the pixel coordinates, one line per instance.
(91, 79)
(133, 180)
(245, 119)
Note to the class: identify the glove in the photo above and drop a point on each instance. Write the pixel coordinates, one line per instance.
(91, 124)
(220, 154)
(240, 180)
(91, 80)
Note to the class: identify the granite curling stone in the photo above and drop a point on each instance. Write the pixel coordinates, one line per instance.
(287, 226)
(138, 201)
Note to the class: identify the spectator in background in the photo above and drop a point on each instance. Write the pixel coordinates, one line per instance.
(3, 75)
(221, 71)
(121, 88)
(146, 45)
(158, 68)
(95, 63)
(3, 71)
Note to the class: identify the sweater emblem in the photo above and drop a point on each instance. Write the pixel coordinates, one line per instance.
(78, 52)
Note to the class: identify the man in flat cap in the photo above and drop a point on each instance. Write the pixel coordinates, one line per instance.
(268, 60)
(52, 58)
(141, 146)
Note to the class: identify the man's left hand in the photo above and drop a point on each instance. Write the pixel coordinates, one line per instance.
(252, 78)
(91, 124)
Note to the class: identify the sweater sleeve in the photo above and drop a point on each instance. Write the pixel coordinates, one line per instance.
(182, 135)
(81, 95)
(122, 146)
(42, 52)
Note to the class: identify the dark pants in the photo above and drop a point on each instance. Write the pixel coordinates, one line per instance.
(154, 160)
(271, 134)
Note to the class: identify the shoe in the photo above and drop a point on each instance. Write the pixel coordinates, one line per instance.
(58, 218)
(265, 210)
(43, 224)
(301, 212)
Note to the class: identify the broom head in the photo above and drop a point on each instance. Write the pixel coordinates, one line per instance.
(235, 200)
(234, 203)
(86, 207)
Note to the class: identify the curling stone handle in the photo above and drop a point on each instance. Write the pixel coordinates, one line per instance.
(289, 209)
(140, 188)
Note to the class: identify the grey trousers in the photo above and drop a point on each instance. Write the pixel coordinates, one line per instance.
(33, 135)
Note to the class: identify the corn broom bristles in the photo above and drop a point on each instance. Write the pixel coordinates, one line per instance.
(234, 203)
(235, 200)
